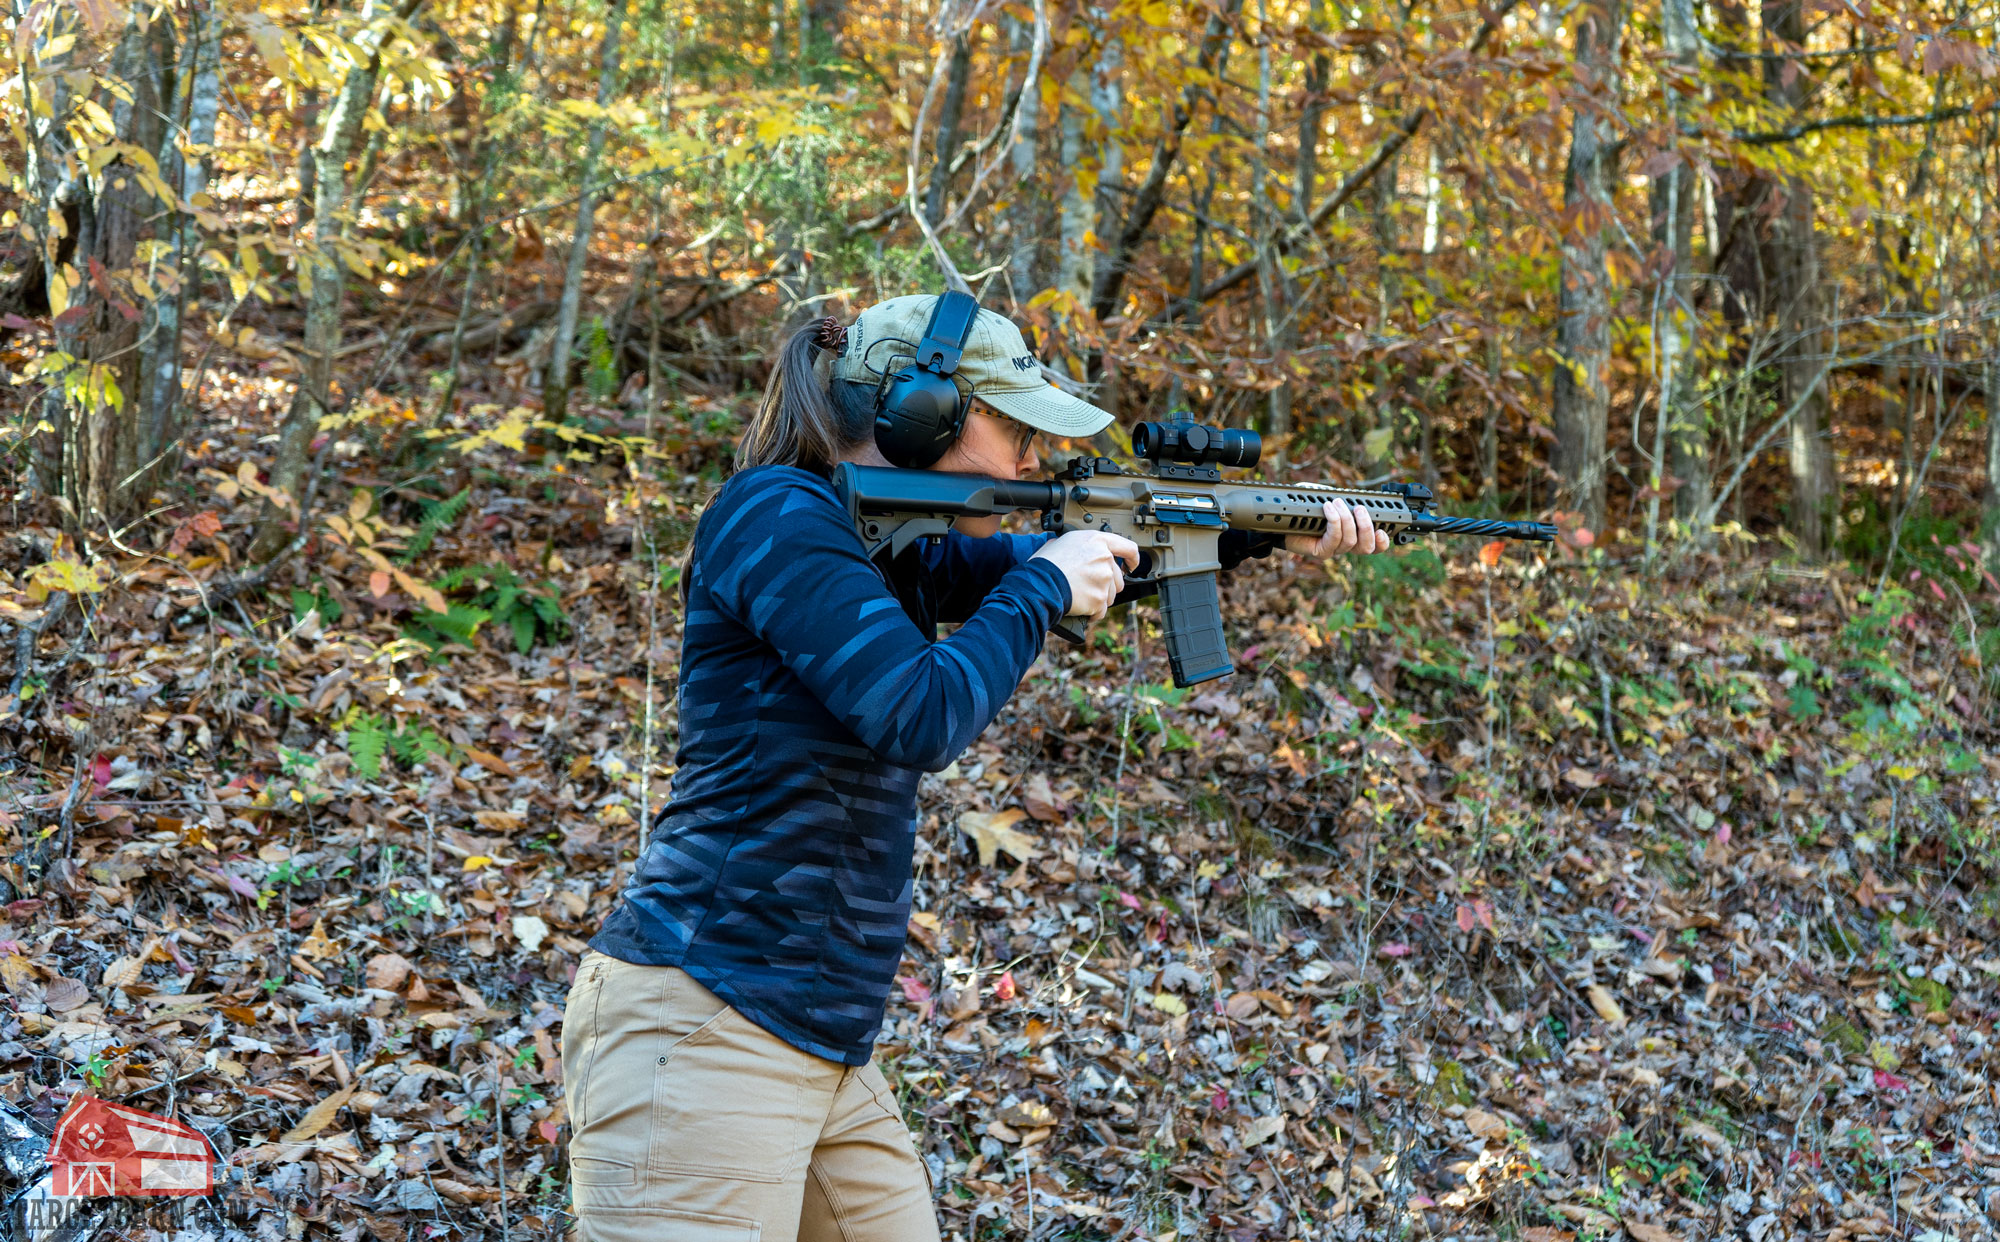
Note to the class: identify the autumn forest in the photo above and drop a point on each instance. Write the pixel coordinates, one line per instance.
(369, 364)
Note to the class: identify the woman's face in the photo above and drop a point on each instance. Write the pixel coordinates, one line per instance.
(994, 445)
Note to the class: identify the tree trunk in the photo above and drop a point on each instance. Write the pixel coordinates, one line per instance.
(1682, 417)
(555, 389)
(100, 437)
(1312, 118)
(1989, 518)
(1379, 440)
(1583, 334)
(948, 119)
(324, 276)
(1801, 321)
(177, 272)
(1094, 160)
(1273, 290)
(1024, 208)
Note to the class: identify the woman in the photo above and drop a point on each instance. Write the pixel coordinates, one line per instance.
(717, 1039)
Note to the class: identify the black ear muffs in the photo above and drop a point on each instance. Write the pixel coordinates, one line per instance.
(919, 410)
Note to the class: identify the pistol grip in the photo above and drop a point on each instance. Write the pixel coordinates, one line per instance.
(1191, 615)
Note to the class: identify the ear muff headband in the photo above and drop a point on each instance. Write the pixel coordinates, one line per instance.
(919, 410)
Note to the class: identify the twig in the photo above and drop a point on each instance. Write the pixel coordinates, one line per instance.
(28, 636)
(500, 1148)
(1125, 733)
(1610, 728)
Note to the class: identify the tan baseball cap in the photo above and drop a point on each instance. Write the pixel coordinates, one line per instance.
(997, 366)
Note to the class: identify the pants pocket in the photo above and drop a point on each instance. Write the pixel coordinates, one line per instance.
(580, 1035)
(729, 1102)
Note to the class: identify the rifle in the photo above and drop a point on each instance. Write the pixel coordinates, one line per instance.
(1175, 506)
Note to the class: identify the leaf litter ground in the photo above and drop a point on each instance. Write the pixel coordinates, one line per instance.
(1546, 900)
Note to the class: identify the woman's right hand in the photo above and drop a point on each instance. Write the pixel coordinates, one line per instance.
(1090, 560)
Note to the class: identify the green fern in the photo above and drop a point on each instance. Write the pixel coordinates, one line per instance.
(439, 516)
(371, 739)
(456, 624)
(411, 745)
(531, 610)
(366, 742)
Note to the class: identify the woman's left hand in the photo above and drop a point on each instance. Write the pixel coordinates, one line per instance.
(1348, 529)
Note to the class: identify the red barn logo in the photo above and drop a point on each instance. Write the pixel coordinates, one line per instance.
(108, 1149)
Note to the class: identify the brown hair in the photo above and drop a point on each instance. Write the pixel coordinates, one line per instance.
(803, 420)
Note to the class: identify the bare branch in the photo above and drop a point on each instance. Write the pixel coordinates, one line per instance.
(1795, 132)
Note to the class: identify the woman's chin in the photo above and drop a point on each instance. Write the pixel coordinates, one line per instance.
(977, 528)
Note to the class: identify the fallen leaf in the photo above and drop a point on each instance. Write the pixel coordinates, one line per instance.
(530, 931)
(1263, 1130)
(1027, 1115)
(386, 971)
(1643, 1232)
(994, 831)
(124, 972)
(318, 946)
(1605, 1004)
(63, 994)
(1040, 800)
(16, 972)
(491, 762)
(318, 1117)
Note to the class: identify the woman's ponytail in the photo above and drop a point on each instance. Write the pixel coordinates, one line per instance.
(799, 423)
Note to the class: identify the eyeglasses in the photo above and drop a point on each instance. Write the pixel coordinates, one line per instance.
(1023, 435)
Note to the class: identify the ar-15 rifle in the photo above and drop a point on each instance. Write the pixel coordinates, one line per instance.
(1175, 507)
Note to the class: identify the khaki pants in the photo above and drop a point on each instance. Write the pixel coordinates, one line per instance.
(690, 1123)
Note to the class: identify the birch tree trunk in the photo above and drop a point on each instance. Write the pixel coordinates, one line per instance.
(1582, 396)
(323, 274)
(555, 389)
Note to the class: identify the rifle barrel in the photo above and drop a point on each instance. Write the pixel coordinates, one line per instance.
(1496, 528)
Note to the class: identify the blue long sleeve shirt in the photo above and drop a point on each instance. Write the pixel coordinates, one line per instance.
(813, 696)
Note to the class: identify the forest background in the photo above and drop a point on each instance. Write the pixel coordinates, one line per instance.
(369, 364)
